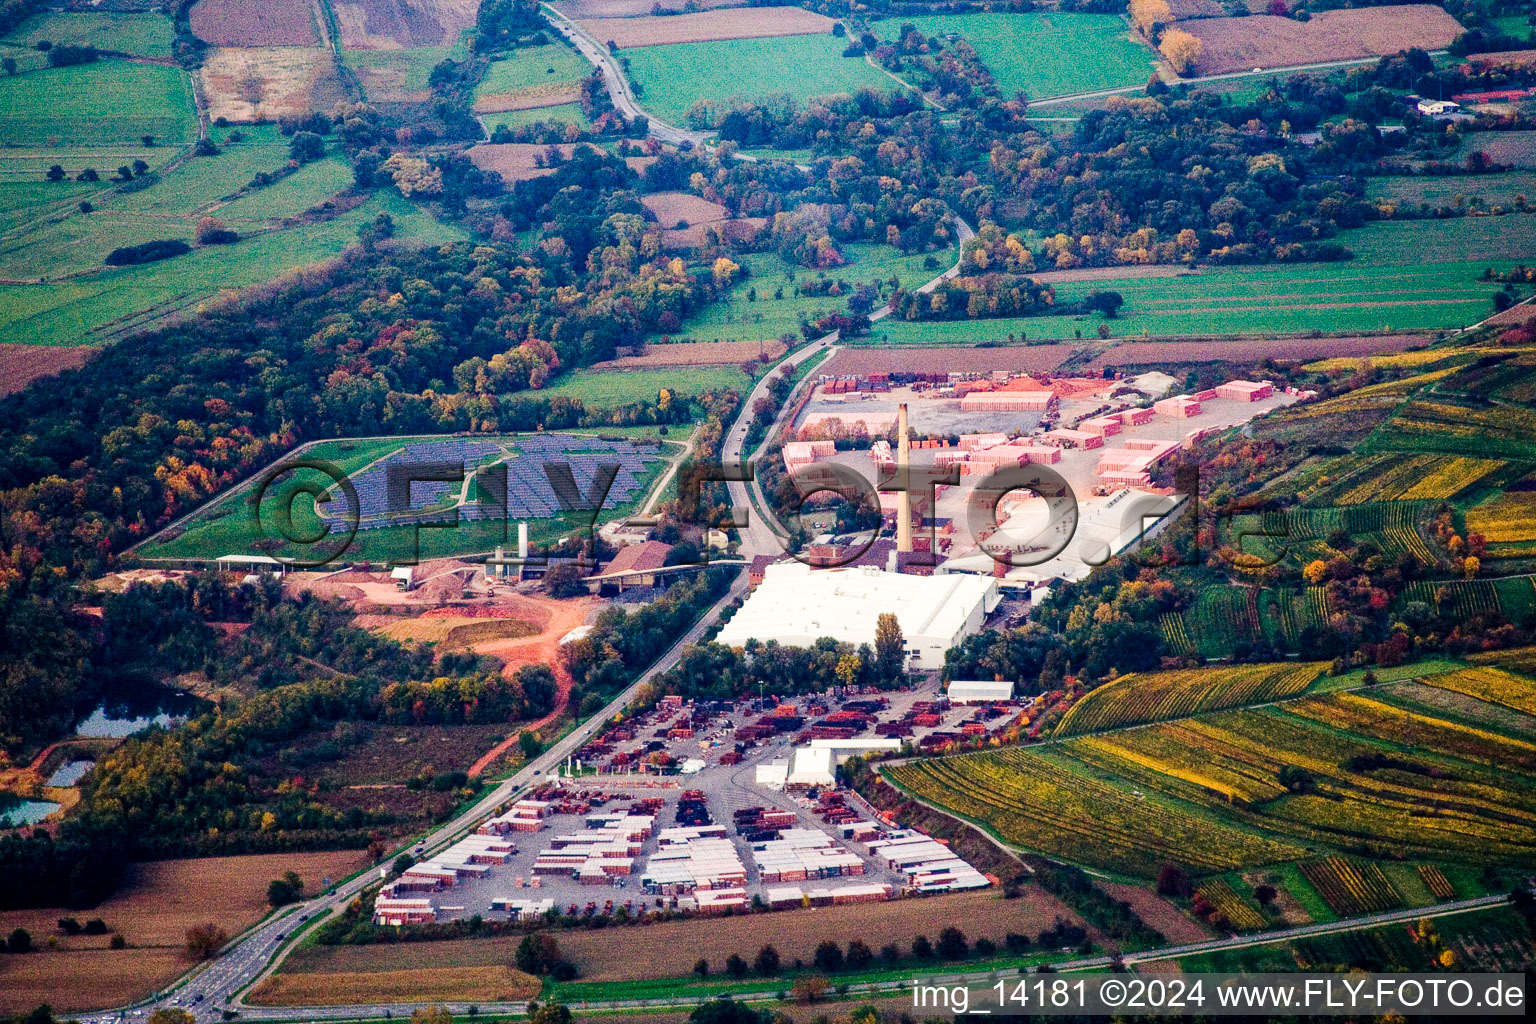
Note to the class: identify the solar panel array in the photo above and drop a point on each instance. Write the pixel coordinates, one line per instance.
(530, 491)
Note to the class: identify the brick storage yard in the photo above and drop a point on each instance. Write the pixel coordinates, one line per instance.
(747, 815)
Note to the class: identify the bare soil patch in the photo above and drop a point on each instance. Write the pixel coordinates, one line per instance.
(1139, 353)
(686, 219)
(1158, 913)
(153, 912)
(697, 353)
(1026, 358)
(671, 949)
(20, 365)
(246, 84)
(242, 23)
(1265, 41)
(1196, 9)
(578, 9)
(402, 24)
(423, 984)
(448, 632)
(706, 26)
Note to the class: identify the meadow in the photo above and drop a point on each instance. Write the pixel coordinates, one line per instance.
(1206, 791)
(91, 308)
(1484, 190)
(138, 34)
(560, 113)
(1044, 55)
(525, 75)
(737, 318)
(1375, 291)
(603, 389)
(673, 77)
(108, 102)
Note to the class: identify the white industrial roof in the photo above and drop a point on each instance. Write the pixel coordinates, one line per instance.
(812, 767)
(980, 689)
(797, 605)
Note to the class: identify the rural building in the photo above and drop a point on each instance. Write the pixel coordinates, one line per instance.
(1179, 407)
(1433, 108)
(634, 565)
(1245, 390)
(797, 605)
(979, 691)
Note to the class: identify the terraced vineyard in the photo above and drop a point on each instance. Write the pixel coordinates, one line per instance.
(1206, 791)
(1159, 696)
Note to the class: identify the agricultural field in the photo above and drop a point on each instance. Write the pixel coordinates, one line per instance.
(394, 76)
(1514, 597)
(105, 104)
(1352, 887)
(1226, 617)
(1266, 41)
(1206, 791)
(265, 83)
(1159, 696)
(1514, 149)
(539, 76)
(1457, 428)
(237, 23)
(1229, 910)
(402, 24)
(698, 353)
(429, 984)
(1485, 191)
(674, 947)
(20, 365)
(672, 77)
(706, 26)
(607, 388)
(519, 161)
(1027, 358)
(1375, 291)
(152, 912)
(685, 218)
(560, 113)
(1496, 686)
(136, 34)
(1044, 55)
(93, 307)
(234, 524)
(578, 9)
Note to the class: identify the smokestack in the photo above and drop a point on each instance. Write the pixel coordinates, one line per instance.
(904, 496)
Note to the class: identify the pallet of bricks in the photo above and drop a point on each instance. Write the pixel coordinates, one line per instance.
(833, 809)
(762, 824)
(692, 810)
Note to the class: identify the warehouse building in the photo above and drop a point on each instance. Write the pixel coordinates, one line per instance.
(796, 605)
(979, 691)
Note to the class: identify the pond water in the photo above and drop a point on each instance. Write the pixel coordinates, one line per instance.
(103, 724)
(69, 773)
(28, 812)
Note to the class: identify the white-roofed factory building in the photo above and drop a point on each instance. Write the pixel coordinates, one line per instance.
(796, 605)
(979, 691)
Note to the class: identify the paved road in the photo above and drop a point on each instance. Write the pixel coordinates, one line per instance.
(1292, 69)
(618, 86)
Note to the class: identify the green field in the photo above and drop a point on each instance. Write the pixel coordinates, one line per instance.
(142, 35)
(607, 388)
(1483, 190)
(1374, 291)
(673, 77)
(227, 524)
(553, 64)
(560, 113)
(108, 102)
(734, 318)
(85, 310)
(201, 181)
(1044, 55)
(311, 184)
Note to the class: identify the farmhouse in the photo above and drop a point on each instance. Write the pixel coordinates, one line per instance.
(1433, 108)
(796, 605)
(979, 691)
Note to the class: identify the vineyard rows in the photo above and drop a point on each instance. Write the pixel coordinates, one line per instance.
(1493, 685)
(1351, 887)
(1157, 696)
(1439, 886)
(1229, 911)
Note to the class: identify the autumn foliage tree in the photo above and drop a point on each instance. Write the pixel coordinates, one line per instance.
(204, 941)
(1181, 49)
